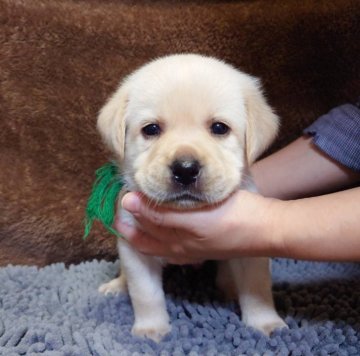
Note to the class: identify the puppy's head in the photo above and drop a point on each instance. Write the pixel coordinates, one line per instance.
(185, 128)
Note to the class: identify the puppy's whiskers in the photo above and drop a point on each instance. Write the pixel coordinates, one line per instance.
(153, 202)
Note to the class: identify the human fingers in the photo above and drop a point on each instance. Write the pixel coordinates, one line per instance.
(137, 205)
(170, 237)
(143, 242)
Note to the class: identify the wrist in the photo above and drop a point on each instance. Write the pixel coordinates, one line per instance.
(273, 228)
(257, 225)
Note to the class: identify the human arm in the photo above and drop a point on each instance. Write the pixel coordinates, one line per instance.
(325, 227)
(247, 224)
(301, 170)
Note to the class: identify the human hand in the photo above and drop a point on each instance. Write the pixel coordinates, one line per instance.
(242, 225)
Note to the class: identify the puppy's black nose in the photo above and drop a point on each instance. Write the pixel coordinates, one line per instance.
(185, 170)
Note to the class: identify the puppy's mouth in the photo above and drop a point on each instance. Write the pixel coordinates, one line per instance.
(184, 199)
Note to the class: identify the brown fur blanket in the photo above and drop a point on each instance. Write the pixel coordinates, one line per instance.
(59, 61)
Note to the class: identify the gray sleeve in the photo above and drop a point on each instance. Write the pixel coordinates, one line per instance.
(337, 133)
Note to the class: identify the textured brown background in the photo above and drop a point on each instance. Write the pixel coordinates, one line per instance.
(59, 60)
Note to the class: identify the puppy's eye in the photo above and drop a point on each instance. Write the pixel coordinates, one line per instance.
(151, 130)
(219, 128)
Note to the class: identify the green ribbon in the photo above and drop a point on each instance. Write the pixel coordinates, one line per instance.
(101, 204)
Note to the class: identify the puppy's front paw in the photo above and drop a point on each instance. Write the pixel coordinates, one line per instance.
(115, 286)
(268, 328)
(267, 325)
(153, 332)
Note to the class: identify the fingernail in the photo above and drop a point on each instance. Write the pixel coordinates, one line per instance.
(130, 202)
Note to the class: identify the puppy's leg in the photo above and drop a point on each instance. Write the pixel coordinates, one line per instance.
(253, 280)
(118, 285)
(115, 286)
(144, 277)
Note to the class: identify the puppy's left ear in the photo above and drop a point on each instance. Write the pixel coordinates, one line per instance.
(262, 123)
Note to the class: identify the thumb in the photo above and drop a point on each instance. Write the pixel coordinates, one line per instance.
(139, 206)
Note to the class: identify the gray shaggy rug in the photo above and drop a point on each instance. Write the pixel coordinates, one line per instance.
(57, 311)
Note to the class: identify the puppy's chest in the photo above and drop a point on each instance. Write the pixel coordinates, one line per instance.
(248, 184)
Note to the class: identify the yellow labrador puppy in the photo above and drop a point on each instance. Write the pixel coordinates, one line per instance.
(184, 130)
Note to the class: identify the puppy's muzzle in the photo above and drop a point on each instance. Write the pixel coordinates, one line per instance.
(185, 171)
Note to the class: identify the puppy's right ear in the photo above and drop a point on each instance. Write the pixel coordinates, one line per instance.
(111, 122)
